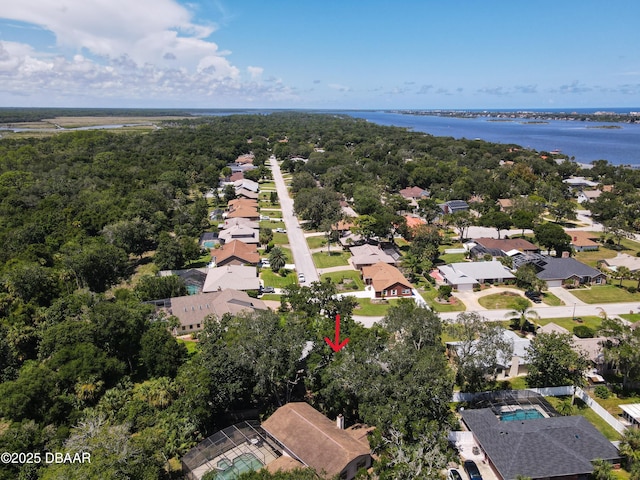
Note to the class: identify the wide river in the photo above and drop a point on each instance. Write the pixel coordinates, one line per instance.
(620, 146)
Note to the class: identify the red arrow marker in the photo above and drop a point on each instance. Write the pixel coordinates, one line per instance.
(337, 345)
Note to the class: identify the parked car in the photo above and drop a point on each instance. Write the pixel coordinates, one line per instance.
(281, 230)
(533, 296)
(453, 474)
(301, 278)
(265, 263)
(472, 470)
(264, 217)
(267, 289)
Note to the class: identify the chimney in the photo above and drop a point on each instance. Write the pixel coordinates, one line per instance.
(575, 239)
(340, 422)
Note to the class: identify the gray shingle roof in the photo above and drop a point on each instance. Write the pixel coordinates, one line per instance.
(540, 448)
(563, 268)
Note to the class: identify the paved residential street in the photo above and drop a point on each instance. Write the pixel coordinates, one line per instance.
(299, 247)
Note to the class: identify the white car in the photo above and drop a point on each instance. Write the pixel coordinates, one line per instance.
(301, 278)
(281, 230)
(265, 262)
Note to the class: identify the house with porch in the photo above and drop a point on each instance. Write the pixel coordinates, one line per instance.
(367, 255)
(386, 280)
(499, 247)
(566, 271)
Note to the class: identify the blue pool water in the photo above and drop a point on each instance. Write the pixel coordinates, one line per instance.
(521, 414)
(245, 462)
(209, 244)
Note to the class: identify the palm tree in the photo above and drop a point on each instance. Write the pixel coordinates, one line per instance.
(623, 274)
(630, 445)
(523, 312)
(602, 470)
(277, 259)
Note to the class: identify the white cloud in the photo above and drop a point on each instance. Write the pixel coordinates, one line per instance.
(255, 72)
(146, 49)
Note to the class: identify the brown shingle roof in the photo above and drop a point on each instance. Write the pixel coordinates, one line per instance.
(192, 309)
(236, 249)
(413, 192)
(383, 276)
(244, 212)
(581, 238)
(313, 438)
(506, 244)
(241, 202)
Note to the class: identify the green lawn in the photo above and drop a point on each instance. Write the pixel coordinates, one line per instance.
(631, 317)
(346, 278)
(271, 296)
(317, 242)
(280, 238)
(591, 258)
(612, 404)
(518, 383)
(430, 295)
(605, 294)
(200, 262)
(334, 259)
(368, 309)
(500, 301)
(271, 224)
(192, 347)
(452, 257)
(551, 300)
(271, 279)
(568, 322)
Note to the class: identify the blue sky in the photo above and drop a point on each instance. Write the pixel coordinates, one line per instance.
(418, 54)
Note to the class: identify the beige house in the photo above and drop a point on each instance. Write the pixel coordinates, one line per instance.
(315, 441)
(191, 310)
(237, 277)
(366, 255)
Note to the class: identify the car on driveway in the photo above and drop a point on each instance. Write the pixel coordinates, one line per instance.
(472, 470)
(301, 278)
(267, 289)
(533, 296)
(453, 474)
(281, 230)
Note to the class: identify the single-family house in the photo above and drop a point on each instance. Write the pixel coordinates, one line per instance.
(343, 227)
(580, 183)
(582, 241)
(505, 204)
(414, 221)
(240, 232)
(386, 280)
(463, 276)
(241, 202)
(453, 206)
(246, 184)
(568, 271)
(191, 310)
(509, 366)
(237, 277)
(367, 254)
(623, 260)
(245, 193)
(235, 253)
(413, 194)
(499, 247)
(244, 211)
(317, 442)
(240, 167)
(555, 448)
(592, 347)
(245, 159)
(245, 222)
(587, 196)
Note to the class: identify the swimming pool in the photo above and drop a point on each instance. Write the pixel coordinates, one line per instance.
(245, 462)
(209, 243)
(520, 414)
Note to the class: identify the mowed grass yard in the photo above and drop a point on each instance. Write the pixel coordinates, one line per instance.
(430, 295)
(499, 301)
(367, 308)
(271, 279)
(333, 259)
(568, 322)
(606, 294)
(346, 279)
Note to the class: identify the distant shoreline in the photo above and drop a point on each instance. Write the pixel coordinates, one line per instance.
(531, 116)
